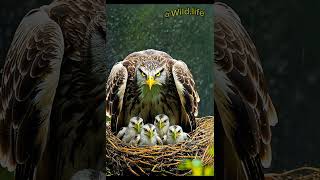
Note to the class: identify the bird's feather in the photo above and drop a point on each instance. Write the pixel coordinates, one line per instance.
(122, 132)
(35, 88)
(241, 92)
(159, 141)
(187, 93)
(116, 87)
(29, 83)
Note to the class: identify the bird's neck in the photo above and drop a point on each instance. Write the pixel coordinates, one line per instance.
(150, 95)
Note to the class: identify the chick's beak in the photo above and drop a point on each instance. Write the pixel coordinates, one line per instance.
(161, 125)
(175, 135)
(138, 128)
(150, 81)
(150, 134)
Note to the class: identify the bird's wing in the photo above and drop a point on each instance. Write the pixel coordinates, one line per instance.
(121, 132)
(135, 140)
(241, 93)
(186, 136)
(159, 141)
(31, 75)
(116, 87)
(164, 139)
(187, 93)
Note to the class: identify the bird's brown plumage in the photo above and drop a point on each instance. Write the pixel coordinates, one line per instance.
(241, 93)
(50, 89)
(123, 92)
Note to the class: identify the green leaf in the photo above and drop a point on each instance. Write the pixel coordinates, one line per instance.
(185, 165)
(209, 171)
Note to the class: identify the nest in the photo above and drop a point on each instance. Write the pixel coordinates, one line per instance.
(163, 159)
(303, 173)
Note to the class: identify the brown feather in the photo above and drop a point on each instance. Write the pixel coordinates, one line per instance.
(54, 35)
(241, 92)
(32, 60)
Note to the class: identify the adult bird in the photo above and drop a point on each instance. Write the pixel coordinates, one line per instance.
(241, 97)
(52, 109)
(148, 83)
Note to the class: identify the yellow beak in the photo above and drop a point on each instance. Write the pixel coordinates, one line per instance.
(150, 81)
(138, 128)
(175, 135)
(150, 134)
(161, 125)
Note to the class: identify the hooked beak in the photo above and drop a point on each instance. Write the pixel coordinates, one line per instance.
(150, 81)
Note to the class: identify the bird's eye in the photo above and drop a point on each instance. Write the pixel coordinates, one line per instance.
(142, 73)
(158, 74)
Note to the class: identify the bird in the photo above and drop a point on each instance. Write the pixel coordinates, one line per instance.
(162, 124)
(242, 102)
(149, 136)
(175, 135)
(134, 128)
(150, 82)
(52, 95)
(135, 140)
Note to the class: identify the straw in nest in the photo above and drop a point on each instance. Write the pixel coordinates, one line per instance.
(160, 160)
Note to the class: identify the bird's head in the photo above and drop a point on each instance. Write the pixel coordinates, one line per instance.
(162, 121)
(149, 130)
(150, 74)
(136, 123)
(175, 131)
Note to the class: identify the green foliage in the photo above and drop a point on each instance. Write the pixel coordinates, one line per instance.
(189, 38)
(197, 167)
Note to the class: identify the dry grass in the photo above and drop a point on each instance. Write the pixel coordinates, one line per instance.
(160, 160)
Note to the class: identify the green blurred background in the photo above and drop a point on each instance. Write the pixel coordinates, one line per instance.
(189, 38)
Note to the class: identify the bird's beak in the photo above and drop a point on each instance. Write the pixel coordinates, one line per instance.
(138, 128)
(175, 135)
(161, 125)
(150, 134)
(150, 81)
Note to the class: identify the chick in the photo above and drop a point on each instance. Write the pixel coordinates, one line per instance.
(175, 135)
(135, 140)
(149, 136)
(126, 134)
(162, 124)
